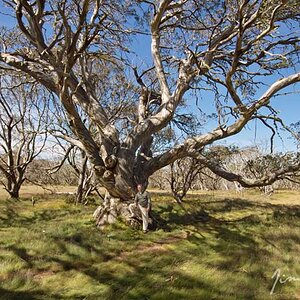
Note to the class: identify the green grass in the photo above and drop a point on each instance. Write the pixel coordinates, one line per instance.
(217, 248)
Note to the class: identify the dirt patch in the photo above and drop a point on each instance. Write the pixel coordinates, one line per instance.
(173, 238)
(43, 274)
(156, 247)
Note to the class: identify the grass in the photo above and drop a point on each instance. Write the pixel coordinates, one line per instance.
(33, 190)
(221, 246)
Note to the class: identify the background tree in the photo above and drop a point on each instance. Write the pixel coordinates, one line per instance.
(226, 47)
(23, 135)
(77, 160)
(66, 175)
(182, 175)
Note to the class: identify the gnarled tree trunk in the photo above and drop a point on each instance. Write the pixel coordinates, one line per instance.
(113, 209)
(14, 192)
(123, 173)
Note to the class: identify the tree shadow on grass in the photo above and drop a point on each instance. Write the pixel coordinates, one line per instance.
(138, 276)
(204, 211)
(14, 217)
(150, 271)
(155, 272)
(240, 239)
(21, 295)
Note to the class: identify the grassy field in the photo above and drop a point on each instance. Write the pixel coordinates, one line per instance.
(221, 246)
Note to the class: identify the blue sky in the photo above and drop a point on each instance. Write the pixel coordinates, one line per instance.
(253, 134)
